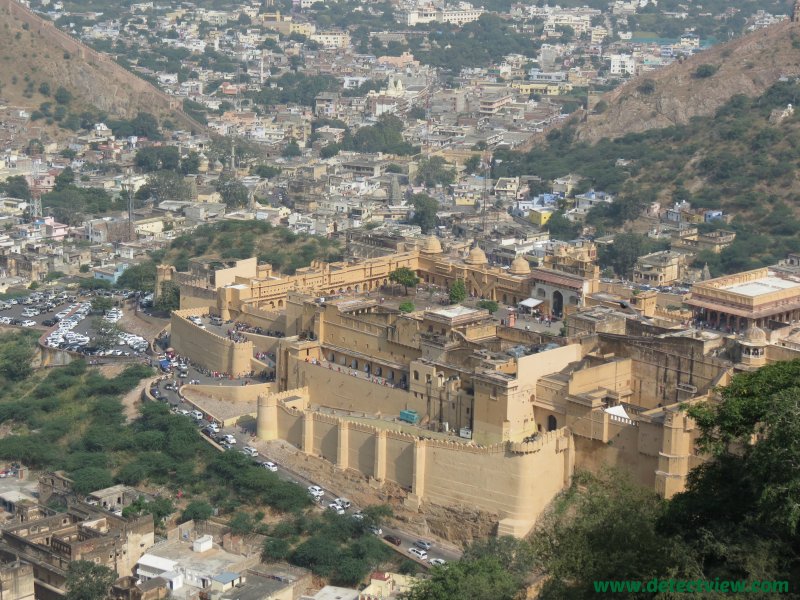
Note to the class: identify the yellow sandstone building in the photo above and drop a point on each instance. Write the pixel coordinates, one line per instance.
(456, 409)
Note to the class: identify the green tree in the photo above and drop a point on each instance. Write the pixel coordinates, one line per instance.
(62, 96)
(234, 193)
(197, 510)
(704, 71)
(139, 277)
(472, 164)
(241, 523)
(621, 255)
(275, 549)
(434, 171)
(405, 277)
(425, 209)
(608, 529)
(170, 297)
(740, 511)
(406, 306)
(16, 186)
(329, 151)
(190, 164)
(481, 579)
(489, 305)
(168, 185)
(458, 292)
(265, 171)
(291, 149)
(88, 581)
(91, 479)
(102, 304)
(16, 356)
(65, 178)
(562, 228)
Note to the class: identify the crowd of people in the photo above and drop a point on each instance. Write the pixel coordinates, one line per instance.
(354, 373)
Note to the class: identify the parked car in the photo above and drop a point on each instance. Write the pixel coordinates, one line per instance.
(270, 466)
(197, 415)
(336, 508)
(393, 539)
(376, 530)
(417, 553)
(316, 491)
(437, 562)
(228, 438)
(423, 545)
(250, 451)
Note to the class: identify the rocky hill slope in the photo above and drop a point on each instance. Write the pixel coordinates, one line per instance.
(672, 96)
(34, 52)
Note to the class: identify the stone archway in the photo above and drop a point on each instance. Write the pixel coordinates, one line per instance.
(552, 423)
(558, 304)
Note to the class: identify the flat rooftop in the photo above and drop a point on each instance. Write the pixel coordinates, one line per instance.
(759, 287)
(452, 312)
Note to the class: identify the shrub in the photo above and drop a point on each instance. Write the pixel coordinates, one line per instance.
(704, 71)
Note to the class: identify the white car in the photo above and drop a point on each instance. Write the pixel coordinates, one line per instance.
(417, 553)
(316, 491)
(197, 415)
(229, 439)
(270, 466)
(336, 508)
(213, 427)
(250, 451)
(28, 323)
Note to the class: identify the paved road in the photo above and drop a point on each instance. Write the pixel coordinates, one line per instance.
(243, 439)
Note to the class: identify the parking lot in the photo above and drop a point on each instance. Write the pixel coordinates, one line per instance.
(71, 323)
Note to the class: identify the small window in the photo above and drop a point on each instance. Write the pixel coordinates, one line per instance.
(416, 375)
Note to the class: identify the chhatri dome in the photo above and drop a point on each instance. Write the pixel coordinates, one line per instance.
(755, 336)
(431, 245)
(476, 257)
(520, 266)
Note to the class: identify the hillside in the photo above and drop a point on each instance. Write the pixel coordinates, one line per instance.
(34, 52)
(284, 250)
(744, 160)
(673, 95)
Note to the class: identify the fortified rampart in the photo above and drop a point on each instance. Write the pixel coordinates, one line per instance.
(105, 83)
(208, 349)
(514, 481)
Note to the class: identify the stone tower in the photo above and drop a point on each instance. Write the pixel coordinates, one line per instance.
(796, 12)
(163, 273)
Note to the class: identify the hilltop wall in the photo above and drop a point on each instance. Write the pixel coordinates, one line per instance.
(514, 481)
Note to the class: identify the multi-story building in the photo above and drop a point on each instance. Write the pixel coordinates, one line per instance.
(659, 268)
(51, 541)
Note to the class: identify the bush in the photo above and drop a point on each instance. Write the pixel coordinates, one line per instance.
(489, 305)
(406, 306)
(704, 71)
(197, 511)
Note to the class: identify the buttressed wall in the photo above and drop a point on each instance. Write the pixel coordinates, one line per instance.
(515, 481)
(208, 349)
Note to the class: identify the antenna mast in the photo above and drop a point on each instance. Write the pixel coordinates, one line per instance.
(36, 190)
(129, 190)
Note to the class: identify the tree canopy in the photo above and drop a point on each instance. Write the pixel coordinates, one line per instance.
(458, 292)
(405, 277)
(88, 581)
(425, 209)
